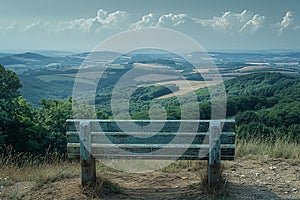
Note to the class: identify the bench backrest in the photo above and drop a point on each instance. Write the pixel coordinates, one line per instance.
(151, 139)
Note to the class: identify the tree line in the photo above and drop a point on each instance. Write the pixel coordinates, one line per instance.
(265, 105)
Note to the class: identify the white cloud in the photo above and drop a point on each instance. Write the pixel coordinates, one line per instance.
(166, 20)
(113, 18)
(146, 21)
(172, 19)
(11, 28)
(77, 24)
(231, 22)
(103, 20)
(287, 23)
(38, 26)
(253, 24)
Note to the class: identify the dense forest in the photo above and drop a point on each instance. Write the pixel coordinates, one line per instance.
(266, 106)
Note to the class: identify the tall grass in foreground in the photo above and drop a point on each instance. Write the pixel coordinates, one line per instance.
(273, 149)
(18, 167)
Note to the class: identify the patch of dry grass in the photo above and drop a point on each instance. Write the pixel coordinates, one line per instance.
(276, 149)
(19, 167)
(23, 168)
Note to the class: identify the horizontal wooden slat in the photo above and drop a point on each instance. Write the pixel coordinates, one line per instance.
(151, 138)
(72, 125)
(170, 151)
(148, 157)
(192, 146)
(147, 120)
(156, 157)
(147, 139)
(151, 125)
(73, 156)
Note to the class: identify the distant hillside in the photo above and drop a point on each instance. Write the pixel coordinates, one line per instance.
(31, 61)
(52, 76)
(25, 59)
(276, 85)
(53, 81)
(265, 105)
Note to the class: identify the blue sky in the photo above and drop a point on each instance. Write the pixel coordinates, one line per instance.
(79, 25)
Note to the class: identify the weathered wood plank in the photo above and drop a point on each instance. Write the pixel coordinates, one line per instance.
(76, 146)
(156, 125)
(214, 160)
(198, 152)
(151, 138)
(73, 125)
(88, 165)
(154, 157)
(212, 140)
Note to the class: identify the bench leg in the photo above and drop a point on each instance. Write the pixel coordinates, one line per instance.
(88, 163)
(214, 161)
(88, 171)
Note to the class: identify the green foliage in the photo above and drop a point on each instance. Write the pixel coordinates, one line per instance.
(53, 114)
(25, 133)
(34, 89)
(2, 139)
(266, 106)
(9, 86)
(19, 125)
(151, 92)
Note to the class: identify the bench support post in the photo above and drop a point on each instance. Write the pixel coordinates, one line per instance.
(214, 161)
(88, 164)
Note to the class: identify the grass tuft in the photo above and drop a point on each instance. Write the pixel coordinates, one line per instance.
(19, 167)
(276, 149)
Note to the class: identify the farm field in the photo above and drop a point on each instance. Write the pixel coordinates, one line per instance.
(185, 86)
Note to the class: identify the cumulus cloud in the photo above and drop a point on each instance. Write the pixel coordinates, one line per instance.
(253, 24)
(172, 19)
(83, 25)
(146, 21)
(110, 18)
(37, 26)
(287, 23)
(103, 20)
(165, 20)
(112, 22)
(231, 22)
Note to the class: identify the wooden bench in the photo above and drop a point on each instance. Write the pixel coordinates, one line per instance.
(210, 140)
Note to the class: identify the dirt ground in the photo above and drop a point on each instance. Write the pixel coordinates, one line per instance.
(243, 179)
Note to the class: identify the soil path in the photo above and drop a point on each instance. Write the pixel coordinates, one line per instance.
(243, 179)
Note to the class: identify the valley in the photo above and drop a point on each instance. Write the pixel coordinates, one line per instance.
(55, 72)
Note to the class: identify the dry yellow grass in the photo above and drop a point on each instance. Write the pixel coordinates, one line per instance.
(277, 149)
(25, 167)
(185, 86)
(150, 78)
(249, 68)
(150, 65)
(19, 167)
(52, 172)
(208, 70)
